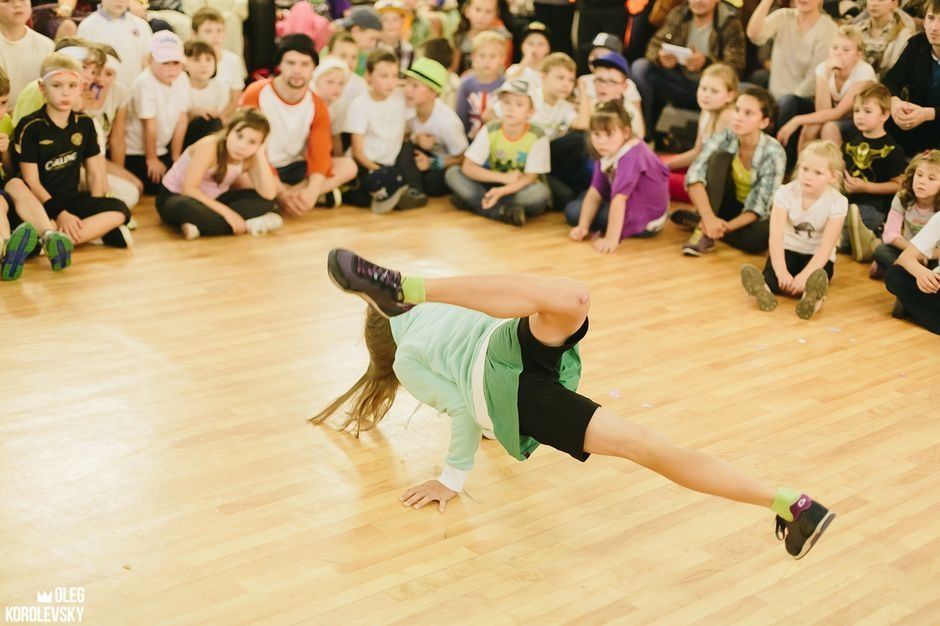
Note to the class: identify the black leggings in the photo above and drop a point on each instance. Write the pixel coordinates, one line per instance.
(136, 164)
(176, 210)
(923, 308)
(720, 188)
(430, 182)
(796, 262)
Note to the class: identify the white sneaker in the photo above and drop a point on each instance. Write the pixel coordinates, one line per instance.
(190, 231)
(264, 223)
(132, 224)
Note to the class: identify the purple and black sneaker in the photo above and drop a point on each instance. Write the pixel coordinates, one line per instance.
(377, 285)
(810, 520)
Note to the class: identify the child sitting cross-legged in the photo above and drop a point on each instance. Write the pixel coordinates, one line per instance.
(52, 145)
(499, 177)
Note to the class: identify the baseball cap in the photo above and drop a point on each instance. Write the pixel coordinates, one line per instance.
(517, 86)
(613, 60)
(295, 42)
(608, 41)
(429, 73)
(165, 47)
(363, 17)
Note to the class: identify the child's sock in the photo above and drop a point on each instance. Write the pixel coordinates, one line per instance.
(412, 289)
(783, 502)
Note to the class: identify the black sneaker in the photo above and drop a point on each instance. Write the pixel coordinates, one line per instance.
(119, 237)
(898, 311)
(413, 199)
(330, 199)
(377, 285)
(810, 520)
(513, 214)
(684, 218)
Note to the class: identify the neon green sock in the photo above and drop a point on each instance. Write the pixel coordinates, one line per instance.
(783, 499)
(412, 289)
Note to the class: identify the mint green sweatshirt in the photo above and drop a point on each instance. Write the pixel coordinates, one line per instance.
(437, 344)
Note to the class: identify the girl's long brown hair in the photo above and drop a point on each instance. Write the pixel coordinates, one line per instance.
(373, 394)
(246, 118)
(906, 193)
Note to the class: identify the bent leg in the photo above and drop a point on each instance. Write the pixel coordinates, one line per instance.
(556, 307)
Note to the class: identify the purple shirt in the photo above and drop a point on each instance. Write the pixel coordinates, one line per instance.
(644, 179)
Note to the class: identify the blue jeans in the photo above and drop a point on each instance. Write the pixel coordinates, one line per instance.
(659, 86)
(790, 107)
(599, 225)
(469, 193)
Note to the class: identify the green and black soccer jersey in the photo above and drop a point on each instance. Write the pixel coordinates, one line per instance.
(58, 152)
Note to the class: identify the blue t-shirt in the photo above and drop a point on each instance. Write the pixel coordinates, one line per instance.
(473, 97)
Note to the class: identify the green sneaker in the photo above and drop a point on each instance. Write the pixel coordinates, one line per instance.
(817, 286)
(22, 242)
(58, 248)
(754, 284)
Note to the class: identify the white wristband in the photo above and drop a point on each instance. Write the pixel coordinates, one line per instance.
(453, 478)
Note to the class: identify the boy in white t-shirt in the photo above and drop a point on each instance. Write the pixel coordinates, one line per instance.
(209, 25)
(208, 96)
(376, 124)
(157, 116)
(22, 49)
(436, 137)
(805, 224)
(128, 34)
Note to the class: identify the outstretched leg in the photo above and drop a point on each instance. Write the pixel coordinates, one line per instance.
(556, 307)
(800, 520)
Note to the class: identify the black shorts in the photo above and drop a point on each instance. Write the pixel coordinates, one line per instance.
(549, 412)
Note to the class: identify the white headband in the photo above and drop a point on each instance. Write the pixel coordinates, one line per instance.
(52, 73)
(76, 52)
(112, 63)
